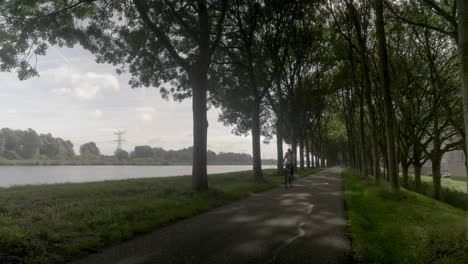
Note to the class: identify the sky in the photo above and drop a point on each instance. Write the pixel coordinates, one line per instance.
(80, 100)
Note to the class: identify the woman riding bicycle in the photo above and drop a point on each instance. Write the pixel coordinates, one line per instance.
(289, 168)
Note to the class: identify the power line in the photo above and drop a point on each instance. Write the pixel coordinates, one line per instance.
(119, 139)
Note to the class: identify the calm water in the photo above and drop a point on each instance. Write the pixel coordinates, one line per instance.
(25, 175)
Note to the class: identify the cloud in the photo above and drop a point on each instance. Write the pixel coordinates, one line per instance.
(145, 113)
(98, 113)
(107, 129)
(145, 109)
(85, 85)
(146, 117)
(61, 91)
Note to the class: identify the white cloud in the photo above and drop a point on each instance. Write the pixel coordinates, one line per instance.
(107, 129)
(145, 113)
(98, 113)
(85, 85)
(146, 117)
(61, 91)
(145, 109)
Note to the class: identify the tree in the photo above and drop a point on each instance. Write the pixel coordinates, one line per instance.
(2, 144)
(249, 74)
(462, 16)
(454, 24)
(49, 147)
(121, 154)
(30, 144)
(385, 83)
(142, 152)
(157, 41)
(89, 151)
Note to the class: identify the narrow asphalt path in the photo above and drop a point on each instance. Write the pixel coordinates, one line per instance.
(305, 224)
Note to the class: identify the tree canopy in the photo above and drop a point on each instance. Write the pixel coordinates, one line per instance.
(371, 84)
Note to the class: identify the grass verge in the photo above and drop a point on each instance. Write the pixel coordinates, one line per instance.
(58, 223)
(402, 228)
(453, 192)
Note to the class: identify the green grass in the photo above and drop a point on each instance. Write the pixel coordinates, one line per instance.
(453, 192)
(450, 184)
(57, 223)
(402, 228)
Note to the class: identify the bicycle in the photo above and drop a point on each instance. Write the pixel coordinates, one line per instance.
(288, 176)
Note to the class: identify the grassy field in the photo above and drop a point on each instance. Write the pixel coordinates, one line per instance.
(458, 186)
(453, 192)
(57, 223)
(402, 228)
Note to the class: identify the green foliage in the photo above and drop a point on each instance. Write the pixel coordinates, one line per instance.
(121, 154)
(185, 156)
(89, 150)
(142, 152)
(336, 129)
(19, 145)
(401, 228)
(57, 223)
(30, 144)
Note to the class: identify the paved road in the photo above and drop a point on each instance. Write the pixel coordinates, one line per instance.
(305, 224)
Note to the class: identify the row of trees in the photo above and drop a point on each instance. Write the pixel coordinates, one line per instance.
(375, 83)
(217, 51)
(181, 156)
(27, 144)
(401, 101)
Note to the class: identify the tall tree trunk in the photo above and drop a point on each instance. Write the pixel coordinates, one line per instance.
(376, 159)
(307, 151)
(417, 165)
(356, 155)
(311, 149)
(388, 108)
(462, 15)
(301, 153)
(386, 175)
(200, 129)
(322, 156)
(294, 150)
(279, 146)
(436, 177)
(316, 154)
(362, 136)
(405, 166)
(417, 176)
(257, 159)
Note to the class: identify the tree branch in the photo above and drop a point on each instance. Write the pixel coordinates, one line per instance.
(166, 42)
(182, 21)
(451, 19)
(68, 8)
(452, 34)
(219, 29)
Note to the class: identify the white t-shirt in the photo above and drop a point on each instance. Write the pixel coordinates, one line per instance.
(289, 158)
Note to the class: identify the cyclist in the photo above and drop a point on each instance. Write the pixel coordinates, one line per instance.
(289, 168)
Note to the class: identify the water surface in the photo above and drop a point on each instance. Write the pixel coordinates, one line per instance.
(31, 175)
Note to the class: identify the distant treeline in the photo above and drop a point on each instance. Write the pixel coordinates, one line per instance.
(27, 144)
(27, 147)
(183, 156)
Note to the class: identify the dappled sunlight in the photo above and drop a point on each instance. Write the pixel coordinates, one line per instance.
(286, 221)
(244, 219)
